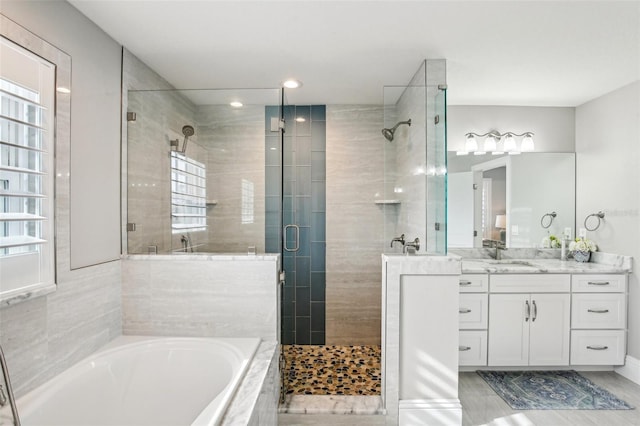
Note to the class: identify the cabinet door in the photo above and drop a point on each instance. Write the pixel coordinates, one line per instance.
(509, 316)
(549, 329)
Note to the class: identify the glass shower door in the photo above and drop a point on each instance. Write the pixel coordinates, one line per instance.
(302, 222)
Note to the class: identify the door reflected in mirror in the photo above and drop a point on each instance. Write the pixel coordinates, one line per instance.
(507, 201)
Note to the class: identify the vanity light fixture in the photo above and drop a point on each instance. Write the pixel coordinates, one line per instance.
(492, 141)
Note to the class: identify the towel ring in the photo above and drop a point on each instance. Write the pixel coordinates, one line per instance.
(551, 216)
(599, 215)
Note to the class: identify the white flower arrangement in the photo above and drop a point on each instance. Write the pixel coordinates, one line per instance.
(582, 244)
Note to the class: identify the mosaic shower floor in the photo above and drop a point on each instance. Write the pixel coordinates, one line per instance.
(332, 370)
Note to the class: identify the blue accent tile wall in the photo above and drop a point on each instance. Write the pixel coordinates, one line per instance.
(303, 204)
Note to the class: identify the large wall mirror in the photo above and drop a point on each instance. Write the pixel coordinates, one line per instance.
(510, 200)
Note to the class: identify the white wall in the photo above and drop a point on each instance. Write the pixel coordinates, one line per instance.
(608, 157)
(44, 336)
(553, 127)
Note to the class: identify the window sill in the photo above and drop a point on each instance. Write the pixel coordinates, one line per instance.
(22, 295)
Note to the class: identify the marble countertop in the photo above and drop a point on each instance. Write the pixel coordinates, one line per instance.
(533, 266)
(202, 256)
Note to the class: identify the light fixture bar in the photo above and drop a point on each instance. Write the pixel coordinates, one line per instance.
(493, 137)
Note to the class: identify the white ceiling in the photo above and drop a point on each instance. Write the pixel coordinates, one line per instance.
(541, 53)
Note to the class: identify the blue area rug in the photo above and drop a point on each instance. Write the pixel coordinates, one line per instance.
(551, 390)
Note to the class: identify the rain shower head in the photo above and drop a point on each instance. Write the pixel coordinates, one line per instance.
(187, 131)
(388, 133)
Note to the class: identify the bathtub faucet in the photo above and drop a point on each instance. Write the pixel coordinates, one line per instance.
(186, 243)
(399, 239)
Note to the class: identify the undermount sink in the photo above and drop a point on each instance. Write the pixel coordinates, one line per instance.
(510, 262)
(505, 262)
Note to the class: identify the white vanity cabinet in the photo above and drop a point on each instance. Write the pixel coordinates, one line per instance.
(473, 319)
(529, 319)
(598, 319)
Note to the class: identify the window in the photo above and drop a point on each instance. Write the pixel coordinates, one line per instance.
(26, 169)
(188, 194)
(247, 202)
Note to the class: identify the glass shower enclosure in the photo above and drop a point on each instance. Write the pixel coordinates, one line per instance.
(414, 197)
(196, 170)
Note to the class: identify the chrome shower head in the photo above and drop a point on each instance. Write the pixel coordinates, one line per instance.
(187, 131)
(388, 133)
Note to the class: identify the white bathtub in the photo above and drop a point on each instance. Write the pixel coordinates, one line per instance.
(137, 381)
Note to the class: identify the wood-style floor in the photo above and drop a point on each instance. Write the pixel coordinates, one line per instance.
(480, 404)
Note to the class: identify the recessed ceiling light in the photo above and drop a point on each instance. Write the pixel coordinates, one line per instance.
(301, 119)
(236, 104)
(63, 90)
(292, 83)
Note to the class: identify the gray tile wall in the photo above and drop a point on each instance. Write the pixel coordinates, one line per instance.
(355, 224)
(234, 143)
(221, 296)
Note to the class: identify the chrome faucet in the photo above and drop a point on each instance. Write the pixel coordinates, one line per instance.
(414, 245)
(499, 252)
(399, 239)
(9, 396)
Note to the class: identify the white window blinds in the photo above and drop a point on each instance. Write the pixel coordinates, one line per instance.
(26, 169)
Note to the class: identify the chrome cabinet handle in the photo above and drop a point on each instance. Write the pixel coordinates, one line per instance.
(535, 311)
(465, 283)
(598, 283)
(598, 348)
(297, 229)
(528, 310)
(464, 310)
(598, 311)
(464, 348)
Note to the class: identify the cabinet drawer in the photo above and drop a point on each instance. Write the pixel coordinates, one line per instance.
(601, 310)
(600, 283)
(472, 349)
(474, 283)
(530, 283)
(597, 347)
(473, 311)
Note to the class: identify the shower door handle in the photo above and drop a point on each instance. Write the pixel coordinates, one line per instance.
(297, 229)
